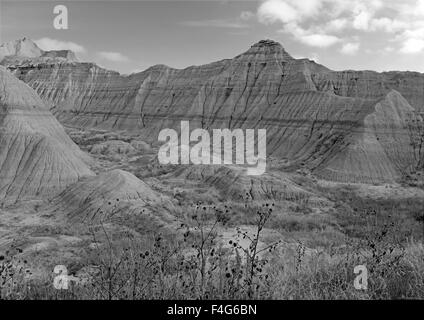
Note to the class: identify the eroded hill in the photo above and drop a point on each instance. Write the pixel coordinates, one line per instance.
(36, 155)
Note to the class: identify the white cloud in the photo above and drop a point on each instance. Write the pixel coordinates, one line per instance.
(412, 46)
(350, 48)
(276, 10)
(322, 23)
(336, 25)
(319, 40)
(419, 9)
(388, 25)
(288, 11)
(310, 7)
(48, 44)
(309, 37)
(417, 32)
(363, 12)
(113, 56)
(362, 20)
(412, 40)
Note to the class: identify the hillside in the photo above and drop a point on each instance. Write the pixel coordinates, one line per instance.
(36, 156)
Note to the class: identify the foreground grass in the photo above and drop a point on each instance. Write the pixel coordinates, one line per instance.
(291, 276)
(195, 264)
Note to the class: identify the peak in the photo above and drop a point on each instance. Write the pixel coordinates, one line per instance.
(268, 48)
(23, 47)
(22, 41)
(267, 43)
(25, 39)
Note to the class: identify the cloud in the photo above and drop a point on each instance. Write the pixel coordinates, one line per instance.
(336, 25)
(272, 11)
(412, 40)
(287, 11)
(419, 10)
(363, 12)
(322, 23)
(319, 40)
(350, 48)
(214, 24)
(412, 46)
(291, 13)
(362, 20)
(388, 25)
(48, 44)
(310, 38)
(113, 56)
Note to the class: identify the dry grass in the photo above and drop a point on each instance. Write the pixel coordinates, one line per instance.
(194, 264)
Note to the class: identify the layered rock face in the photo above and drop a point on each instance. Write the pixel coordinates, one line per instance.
(107, 195)
(315, 117)
(24, 52)
(233, 184)
(386, 146)
(36, 156)
(20, 48)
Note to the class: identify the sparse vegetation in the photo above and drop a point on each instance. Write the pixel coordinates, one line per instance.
(195, 263)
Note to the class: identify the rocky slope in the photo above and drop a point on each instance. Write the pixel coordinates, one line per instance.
(315, 117)
(107, 196)
(36, 156)
(233, 184)
(24, 48)
(387, 145)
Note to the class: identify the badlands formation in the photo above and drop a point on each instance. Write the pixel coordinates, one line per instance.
(345, 126)
(107, 196)
(79, 146)
(24, 51)
(82, 184)
(36, 155)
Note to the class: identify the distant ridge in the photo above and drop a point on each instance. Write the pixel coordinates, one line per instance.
(21, 50)
(317, 119)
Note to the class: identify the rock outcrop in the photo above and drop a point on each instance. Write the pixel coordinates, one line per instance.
(24, 52)
(234, 184)
(386, 146)
(315, 117)
(107, 195)
(24, 48)
(36, 156)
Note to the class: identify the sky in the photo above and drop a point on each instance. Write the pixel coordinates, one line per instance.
(130, 36)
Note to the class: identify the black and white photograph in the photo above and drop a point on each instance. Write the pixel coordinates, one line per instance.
(241, 151)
